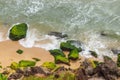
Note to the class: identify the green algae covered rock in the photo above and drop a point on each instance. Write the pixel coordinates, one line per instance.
(18, 31)
(61, 59)
(118, 60)
(74, 54)
(14, 65)
(65, 46)
(56, 52)
(59, 56)
(49, 65)
(26, 63)
(19, 51)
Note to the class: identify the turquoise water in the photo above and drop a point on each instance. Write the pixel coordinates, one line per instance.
(80, 19)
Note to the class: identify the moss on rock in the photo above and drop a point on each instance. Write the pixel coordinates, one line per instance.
(26, 63)
(14, 65)
(74, 54)
(18, 31)
(61, 59)
(67, 46)
(56, 52)
(49, 65)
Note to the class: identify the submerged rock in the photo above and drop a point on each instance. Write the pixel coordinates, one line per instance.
(58, 34)
(18, 31)
(74, 54)
(93, 53)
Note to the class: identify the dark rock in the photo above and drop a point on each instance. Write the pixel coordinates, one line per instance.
(58, 34)
(118, 60)
(108, 69)
(36, 70)
(15, 76)
(81, 74)
(28, 72)
(19, 71)
(115, 51)
(93, 53)
(18, 32)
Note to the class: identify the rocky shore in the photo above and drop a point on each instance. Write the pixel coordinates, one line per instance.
(64, 63)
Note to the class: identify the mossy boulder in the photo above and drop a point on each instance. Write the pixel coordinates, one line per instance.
(76, 43)
(67, 46)
(18, 31)
(93, 53)
(59, 56)
(61, 59)
(74, 54)
(118, 60)
(49, 65)
(56, 52)
(14, 65)
(26, 63)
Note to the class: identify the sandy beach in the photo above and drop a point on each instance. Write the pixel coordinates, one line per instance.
(8, 53)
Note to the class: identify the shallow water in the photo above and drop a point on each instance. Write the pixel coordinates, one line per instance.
(80, 19)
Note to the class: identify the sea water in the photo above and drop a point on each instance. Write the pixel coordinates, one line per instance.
(82, 20)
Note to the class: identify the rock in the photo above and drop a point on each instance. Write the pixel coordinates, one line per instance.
(28, 72)
(76, 43)
(108, 69)
(18, 31)
(37, 70)
(66, 46)
(73, 55)
(61, 59)
(14, 76)
(59, 56)
(115, 51)
(81, 75)
(49, 65)
(14, 65)
(19, 51)
(58, 34)
(118, 60)
(93, 53)
(56, 52)
(26, 63)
